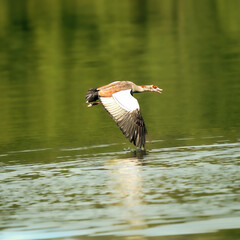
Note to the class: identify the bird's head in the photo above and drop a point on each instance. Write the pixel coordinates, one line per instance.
(151, 88)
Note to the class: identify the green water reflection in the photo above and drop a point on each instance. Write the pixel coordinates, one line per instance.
(53, 51)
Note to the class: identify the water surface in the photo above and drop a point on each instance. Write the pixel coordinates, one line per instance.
(161, 192)
(67, 172)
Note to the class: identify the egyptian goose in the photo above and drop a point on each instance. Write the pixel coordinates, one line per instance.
(118, 101)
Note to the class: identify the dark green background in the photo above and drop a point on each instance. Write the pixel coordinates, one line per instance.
(51, 52)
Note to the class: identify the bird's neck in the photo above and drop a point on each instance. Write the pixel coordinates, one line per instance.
(144, 88)
(137, 89)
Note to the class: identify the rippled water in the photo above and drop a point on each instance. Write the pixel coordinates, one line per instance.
(161, 192)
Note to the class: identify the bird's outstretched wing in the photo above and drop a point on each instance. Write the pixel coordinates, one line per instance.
(125, 111)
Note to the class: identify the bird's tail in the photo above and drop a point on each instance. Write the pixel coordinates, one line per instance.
(92, 95)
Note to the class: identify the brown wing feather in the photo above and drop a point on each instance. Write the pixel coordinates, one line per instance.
(108, 90)
(131, 123)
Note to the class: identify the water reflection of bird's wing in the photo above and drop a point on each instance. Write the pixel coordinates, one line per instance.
(125, 110)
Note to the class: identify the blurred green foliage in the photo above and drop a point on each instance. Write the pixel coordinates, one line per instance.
(52, 51)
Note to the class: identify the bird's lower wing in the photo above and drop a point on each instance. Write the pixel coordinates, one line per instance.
(124, 109)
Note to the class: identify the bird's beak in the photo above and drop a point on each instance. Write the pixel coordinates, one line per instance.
(158, 90)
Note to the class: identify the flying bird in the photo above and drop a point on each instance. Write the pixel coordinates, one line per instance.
(118, 101)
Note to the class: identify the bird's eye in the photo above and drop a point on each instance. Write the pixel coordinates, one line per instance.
(154, 86)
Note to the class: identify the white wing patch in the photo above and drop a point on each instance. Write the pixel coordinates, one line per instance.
(125, 100)
(124, 109)
(113, 108)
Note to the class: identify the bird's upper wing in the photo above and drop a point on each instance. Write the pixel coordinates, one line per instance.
(125, 110)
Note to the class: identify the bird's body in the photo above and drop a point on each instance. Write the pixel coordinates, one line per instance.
(118, 101)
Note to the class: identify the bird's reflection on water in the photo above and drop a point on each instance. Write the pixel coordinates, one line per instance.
(125, 184)
(138, 153)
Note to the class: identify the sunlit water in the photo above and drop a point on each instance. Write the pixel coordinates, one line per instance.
(160, 192)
